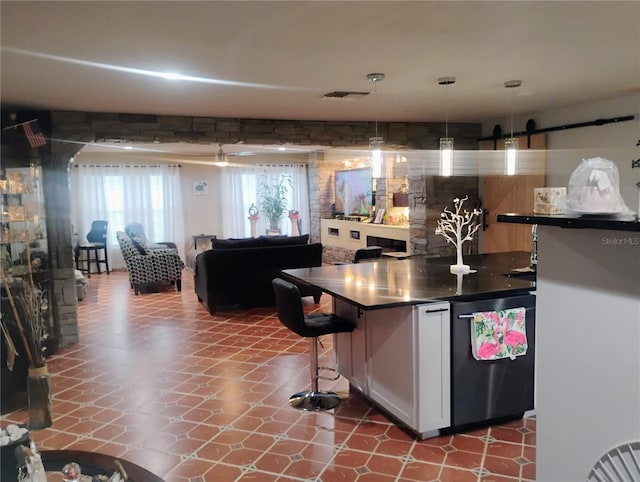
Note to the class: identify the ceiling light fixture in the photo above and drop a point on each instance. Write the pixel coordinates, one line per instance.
(221, 159)
(376, 142)
(511, 144)
(446, 142)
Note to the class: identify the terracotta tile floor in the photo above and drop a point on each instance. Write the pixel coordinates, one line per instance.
(157, 380)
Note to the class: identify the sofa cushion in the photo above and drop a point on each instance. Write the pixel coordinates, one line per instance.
(285, 240)
(236, 243)
(140, 244)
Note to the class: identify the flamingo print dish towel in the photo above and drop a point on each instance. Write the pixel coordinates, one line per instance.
(499, 334)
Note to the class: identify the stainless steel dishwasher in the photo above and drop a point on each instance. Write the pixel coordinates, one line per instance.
(485, 390)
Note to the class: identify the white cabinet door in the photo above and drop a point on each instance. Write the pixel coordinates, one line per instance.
(392, 355)
(350, 348)
(433, 372)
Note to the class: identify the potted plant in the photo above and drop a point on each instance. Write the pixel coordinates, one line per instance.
(273, 193)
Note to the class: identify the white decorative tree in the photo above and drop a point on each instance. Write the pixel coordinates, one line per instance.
(451, 226)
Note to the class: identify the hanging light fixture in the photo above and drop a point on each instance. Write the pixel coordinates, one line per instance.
(376, 142)
(221, 159)
(511, 144)
(446, 142)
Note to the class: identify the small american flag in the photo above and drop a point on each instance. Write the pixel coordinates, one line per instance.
(34, 134)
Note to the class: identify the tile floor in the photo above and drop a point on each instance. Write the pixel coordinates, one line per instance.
(157, 380)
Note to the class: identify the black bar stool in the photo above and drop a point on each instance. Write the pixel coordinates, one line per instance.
(97, 242)
(370, 252)
(291, 315)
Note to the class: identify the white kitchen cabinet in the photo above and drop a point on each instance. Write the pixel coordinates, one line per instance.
(350, 348)
(400, 358)
(392, 362)
(432, 331)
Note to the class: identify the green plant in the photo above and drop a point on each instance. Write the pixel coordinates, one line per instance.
(273, 193)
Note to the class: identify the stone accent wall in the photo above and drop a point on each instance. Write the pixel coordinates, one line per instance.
(428, 196)
(72, 129)
(162, 129)
(335, 254)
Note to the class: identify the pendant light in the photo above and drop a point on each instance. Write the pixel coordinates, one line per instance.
(511, 144)
(376, 142)
(221, 159)
(446, 142)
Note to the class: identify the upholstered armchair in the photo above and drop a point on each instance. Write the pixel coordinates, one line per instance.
(136, 231)
(147, 266)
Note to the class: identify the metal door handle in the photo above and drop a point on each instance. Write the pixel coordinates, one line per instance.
(436, 311)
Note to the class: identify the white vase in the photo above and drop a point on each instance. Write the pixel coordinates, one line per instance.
(459, 268)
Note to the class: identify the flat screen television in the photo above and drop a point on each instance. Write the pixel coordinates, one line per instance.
(354, 192)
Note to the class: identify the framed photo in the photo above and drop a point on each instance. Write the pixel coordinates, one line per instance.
(200, 187)
(379, 216)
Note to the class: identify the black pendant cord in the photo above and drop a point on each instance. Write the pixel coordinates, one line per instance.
(597, 122)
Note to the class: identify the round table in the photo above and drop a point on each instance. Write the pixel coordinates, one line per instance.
(92, 463)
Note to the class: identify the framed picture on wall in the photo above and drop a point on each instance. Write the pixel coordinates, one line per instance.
(200, 187)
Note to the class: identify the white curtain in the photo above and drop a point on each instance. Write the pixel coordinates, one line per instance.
(239, 190)
(123, 194)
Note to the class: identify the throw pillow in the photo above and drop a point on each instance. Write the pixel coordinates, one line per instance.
(140, 244)
(286, 240)
(235, 243)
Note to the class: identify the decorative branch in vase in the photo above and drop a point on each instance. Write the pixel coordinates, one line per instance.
(27, 304)
(456, 227)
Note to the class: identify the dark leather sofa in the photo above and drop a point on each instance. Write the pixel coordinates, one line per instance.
(240, 271)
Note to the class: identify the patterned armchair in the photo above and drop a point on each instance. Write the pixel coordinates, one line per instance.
(135, 230)
(146, 266)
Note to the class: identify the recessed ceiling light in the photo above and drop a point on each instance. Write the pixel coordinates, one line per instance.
(172, 76)
(282, 148)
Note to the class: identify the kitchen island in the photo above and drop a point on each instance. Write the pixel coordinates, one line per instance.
(410, 353)
(588, 307)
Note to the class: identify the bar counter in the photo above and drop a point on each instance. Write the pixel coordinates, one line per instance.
(610, 223)
(588, 337)
(400, 354)
(419, 279)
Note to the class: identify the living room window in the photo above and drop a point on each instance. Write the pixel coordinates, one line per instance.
(240, 189)
(122, 194)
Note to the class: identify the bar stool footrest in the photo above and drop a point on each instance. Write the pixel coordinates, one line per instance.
(314, 401)
(328, 369)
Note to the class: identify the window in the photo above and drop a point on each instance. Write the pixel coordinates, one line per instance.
(122, 194)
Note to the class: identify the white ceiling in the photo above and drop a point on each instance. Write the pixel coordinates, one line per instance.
(275, 60)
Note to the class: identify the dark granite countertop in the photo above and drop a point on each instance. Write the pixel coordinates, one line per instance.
(419, 279)
(609, 222)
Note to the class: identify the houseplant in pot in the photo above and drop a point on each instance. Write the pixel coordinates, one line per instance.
(273, 192)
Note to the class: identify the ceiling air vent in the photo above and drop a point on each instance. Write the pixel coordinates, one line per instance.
(344, 95)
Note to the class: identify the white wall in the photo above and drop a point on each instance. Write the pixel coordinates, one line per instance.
(588, 374)
(201, 211)
(566, 148)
